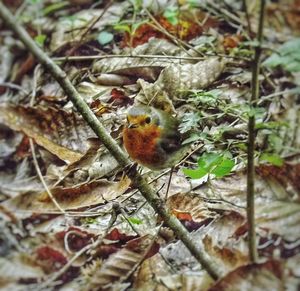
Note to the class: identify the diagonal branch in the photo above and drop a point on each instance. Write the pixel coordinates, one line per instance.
(138, 181)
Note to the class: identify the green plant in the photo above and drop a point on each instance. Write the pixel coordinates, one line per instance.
(215, 164)
(288, 56)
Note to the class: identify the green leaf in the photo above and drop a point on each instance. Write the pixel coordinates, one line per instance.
(209, 160)
(189, 121)
(105, 37)
(40, 39)
(54, 7)
(122, 27)
(288, 56)
(193, 137)
(135, 220)
(271, 125)
(273, 159)
(171, 14)
(223, 168)
(195, 174)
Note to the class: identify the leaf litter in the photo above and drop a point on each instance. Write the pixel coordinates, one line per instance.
(193, 60)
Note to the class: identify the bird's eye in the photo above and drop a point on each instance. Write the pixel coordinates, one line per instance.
(148, 119)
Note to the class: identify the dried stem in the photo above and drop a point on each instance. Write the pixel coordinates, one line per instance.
(251, 140)
(137, 180)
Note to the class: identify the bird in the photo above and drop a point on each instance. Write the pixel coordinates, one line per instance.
(152, 138)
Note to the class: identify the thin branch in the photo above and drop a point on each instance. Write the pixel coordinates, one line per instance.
(245, 7)
(251, 140)
(137, 180)
(89, 28)
(164, 57)
(39, 173)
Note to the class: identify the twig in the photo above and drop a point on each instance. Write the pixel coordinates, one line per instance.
(166, 57)
(169, 183)
(35, 161)
(245, 6)
(89, 28)
(13, 86)
(100, 57)
(137, 180)
(251, 140)
(38, 170)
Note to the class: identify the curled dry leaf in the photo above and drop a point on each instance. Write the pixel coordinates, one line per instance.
(266, 276)
(146, 68)
(151, 94)
(177, 78)
(119, 266)
(84, 195)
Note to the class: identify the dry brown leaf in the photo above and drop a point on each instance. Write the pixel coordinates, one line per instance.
(120, 265)
(146, 68)
(266, 276)
(155, 274)
(282, 218)
(15, 268)
(71, 29)
(177, 78)
(190, 204)
(148, 275)
(49, 128)
(84, 195)
(221, 243)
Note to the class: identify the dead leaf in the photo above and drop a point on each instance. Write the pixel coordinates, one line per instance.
(120, 265)
(47, 127)
(282, 218)
(72, 28)
(17, 268)
(177, 78)
(265, 276)
(192, 205)
(155, 274)
(75, 197)
(288, 175)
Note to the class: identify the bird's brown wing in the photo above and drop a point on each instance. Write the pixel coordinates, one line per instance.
(171, 143)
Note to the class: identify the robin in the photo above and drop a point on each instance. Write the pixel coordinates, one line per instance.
(151, 137)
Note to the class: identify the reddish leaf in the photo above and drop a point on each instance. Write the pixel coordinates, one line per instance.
(115, 235)
(50, 258)
(286, 174)
(76, 238)
(266, 276)
(23, 149)
(25, 68)
(231, 41)
(119, 98)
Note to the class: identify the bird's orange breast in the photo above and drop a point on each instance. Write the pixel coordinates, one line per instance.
(141, 145)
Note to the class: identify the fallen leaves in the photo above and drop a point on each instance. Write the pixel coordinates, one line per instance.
(122, 264)
(46, 127)
(75, 197)
(265, 276)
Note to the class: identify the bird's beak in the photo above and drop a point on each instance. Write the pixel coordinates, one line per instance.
(132, 125)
